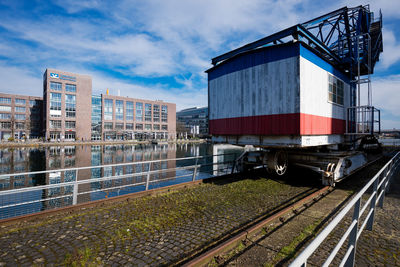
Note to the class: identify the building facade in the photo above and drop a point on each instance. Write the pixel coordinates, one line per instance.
(67, 105)
(195, 120)
(20, 116)
(126, 118)
(68, 111)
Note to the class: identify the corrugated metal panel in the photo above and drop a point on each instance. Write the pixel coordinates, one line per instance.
(271, 88)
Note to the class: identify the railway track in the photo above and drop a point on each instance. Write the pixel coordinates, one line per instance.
(246, 231)
(214, 251)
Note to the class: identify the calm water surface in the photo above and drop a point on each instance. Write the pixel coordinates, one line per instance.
(21, 160)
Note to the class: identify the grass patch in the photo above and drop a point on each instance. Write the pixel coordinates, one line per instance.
(82, 257)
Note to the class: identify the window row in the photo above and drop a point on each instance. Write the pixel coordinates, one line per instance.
(57, 124)
(7, 116)
(18, 101)
(151, 112)
(55, 86)
(138, 126)
(67, 135)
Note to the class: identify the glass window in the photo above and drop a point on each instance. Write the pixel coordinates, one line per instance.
(96, 115)
(70, 135)
(19, 101)
(335, 90)
(139, 111)
(147, 127)
(156, 113)
(129, 126)
(70, 106)
(139, 126)
(55, 124)
(20, 125)
(147, 112)
(129, 111)
(70, 88)
(54, 135)
(119, 126)
(55, 101)
(20, 109)
(119, 110)
(156, 127)
(164, 127)
(164, 113)
(108, 109)
(20, 116)
(69, 124)
(5, 125)
(5, 100)
(5, 116)
(5, 108)
(55, 86)
(108, 126)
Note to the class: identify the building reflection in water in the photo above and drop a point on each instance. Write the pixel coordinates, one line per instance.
(54, 158)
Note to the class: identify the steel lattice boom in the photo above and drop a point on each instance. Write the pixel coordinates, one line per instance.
(345, 37)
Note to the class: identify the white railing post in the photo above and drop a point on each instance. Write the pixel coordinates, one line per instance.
(384, 185)
(353, 235)
(375, 191)
(195, 170)
(148, 177)
(75, 191)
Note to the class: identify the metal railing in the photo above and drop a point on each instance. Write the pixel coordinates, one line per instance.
(379, 184)
(363, 120)
(70, 185)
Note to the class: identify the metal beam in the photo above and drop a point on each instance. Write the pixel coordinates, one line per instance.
(266, 40)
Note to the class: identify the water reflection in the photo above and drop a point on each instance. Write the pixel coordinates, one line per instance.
(55, 158)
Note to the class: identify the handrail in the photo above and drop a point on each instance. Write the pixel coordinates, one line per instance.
(353, 232)
(14, 198)
(110, 165)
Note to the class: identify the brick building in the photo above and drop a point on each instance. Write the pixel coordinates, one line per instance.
(69, 111)
(20, 116)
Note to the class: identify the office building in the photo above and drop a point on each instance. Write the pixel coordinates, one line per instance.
(67, 105)
(126, 118)
(195, 120)
(20, 116)
(69, 111)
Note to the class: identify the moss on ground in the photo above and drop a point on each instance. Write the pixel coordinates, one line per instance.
(289, 251)
(120, 224)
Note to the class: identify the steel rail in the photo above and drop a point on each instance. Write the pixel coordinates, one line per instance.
(249, 231)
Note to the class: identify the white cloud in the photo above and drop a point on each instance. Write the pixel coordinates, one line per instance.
(16, 80)
(184, 98)
(391, 49)
(386, 94)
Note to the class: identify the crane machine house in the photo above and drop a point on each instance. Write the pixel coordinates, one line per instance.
(297, 92)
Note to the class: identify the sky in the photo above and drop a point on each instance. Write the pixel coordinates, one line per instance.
(159, 49)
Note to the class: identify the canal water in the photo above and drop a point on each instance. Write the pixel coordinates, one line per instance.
(22, 160)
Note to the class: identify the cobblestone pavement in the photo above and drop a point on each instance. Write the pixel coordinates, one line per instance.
(153, 230)
(381, 246)
(279, 242)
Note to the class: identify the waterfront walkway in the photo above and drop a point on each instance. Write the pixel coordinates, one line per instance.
(381, 246)
(164, 228)
(153, 230)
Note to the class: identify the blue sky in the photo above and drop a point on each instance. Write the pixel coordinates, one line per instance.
(160, 49)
